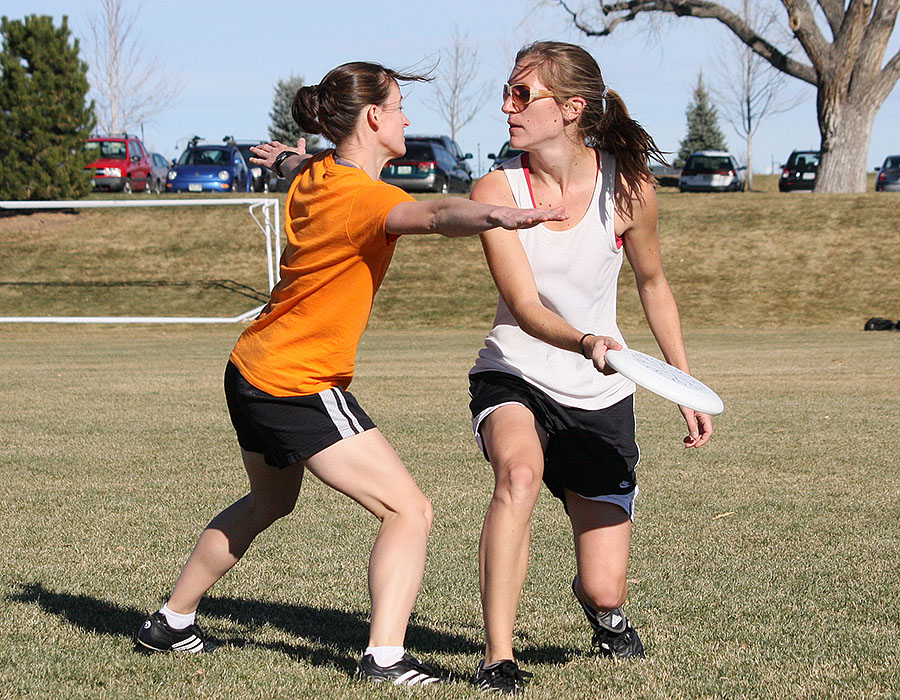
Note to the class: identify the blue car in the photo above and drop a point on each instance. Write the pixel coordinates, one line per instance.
(204, 168)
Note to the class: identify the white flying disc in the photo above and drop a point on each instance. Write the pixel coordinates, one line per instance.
(664, 379)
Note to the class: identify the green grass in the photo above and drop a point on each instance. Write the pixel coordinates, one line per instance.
(754, 259)
(763, 565)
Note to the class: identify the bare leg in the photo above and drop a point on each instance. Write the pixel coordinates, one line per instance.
(602, 533)
(515, 445)
(367, 469)
(273, 494)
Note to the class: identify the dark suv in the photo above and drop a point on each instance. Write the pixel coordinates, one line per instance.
(427, 167)
(799, 173)
(121, 163)
(450, 145)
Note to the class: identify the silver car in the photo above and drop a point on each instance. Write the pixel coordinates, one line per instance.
(711, 171)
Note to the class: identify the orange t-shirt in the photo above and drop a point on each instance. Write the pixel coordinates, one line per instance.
(304, 341)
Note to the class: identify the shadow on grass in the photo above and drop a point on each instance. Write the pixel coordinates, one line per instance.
(334, 637)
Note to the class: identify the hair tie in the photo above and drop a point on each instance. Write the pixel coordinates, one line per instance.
(605, 93)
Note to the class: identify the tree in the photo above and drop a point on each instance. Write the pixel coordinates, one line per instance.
(45, 117)
(283, 127)
(128, 82)
(703, 132)
(459, 95)
(752, 89)
(847, 72)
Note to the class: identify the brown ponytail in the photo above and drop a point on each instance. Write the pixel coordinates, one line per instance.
(332, 107)
(570, 71)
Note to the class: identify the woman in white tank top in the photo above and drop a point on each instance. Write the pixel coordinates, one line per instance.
(556, 318)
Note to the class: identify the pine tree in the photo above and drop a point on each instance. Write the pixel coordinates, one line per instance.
(283, 127)
(703, 132)
(44, 113)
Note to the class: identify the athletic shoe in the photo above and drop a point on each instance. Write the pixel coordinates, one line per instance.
(407, 671)
(501, 677)
(614, 635)
(156, 635)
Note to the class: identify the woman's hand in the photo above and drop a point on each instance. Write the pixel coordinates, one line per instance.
(511, 218)
(265, 152)
(699, 427)
(595, 347)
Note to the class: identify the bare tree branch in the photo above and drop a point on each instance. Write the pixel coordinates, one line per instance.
(128, 82)
(459, 94)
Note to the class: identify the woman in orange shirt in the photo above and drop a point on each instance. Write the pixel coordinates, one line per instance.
(287, 376)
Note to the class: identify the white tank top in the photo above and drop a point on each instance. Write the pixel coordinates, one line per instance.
(576, 272)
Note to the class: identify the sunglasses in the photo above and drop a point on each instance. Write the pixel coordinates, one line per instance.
(523, 95)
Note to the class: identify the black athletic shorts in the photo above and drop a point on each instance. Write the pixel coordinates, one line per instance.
(590, 452)
(290, 429)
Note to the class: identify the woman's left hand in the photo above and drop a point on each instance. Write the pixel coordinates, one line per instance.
(699, 427)
(265, 152)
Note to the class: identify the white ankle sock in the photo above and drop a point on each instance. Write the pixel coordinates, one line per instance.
(177, 621)
(385, 656)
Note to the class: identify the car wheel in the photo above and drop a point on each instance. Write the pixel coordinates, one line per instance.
(265, 185)
(126, 187)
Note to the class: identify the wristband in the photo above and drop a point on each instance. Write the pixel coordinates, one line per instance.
(581, 345)
(279, 159)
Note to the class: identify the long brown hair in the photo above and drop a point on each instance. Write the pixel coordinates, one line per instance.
(332, 107)
(569, 71)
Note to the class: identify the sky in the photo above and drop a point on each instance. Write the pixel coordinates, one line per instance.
(227, 56)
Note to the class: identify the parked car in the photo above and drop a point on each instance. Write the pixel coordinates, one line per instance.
(888, 179)
(505, 154)
(711, 171)
(159, 170)
(427, 167)
(799, 173)
(206, 168)
(450, 145)
(122, 164)
(259, 176)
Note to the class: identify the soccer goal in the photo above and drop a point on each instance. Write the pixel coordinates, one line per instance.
(264, 213)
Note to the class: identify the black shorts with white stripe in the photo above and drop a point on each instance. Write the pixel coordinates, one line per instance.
(290, 429)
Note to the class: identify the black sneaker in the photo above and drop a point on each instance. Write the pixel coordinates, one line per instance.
(156, 635)
(407, 671)
(501, 677)
(614, 635)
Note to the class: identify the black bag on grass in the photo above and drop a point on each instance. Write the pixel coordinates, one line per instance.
(880, 324)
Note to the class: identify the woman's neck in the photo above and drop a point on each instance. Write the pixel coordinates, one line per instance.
(363, 157)
(562, 164)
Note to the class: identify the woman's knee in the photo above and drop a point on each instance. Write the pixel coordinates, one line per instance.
(267, 510)
(517, 483)
(606, 594)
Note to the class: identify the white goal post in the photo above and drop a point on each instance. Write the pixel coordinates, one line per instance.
(270, 227)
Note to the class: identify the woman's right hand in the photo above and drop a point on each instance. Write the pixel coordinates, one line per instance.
(595, 347)
(512, 218)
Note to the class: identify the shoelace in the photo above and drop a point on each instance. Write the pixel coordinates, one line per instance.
(509, 674)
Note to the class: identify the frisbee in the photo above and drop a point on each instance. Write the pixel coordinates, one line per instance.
(665, 380)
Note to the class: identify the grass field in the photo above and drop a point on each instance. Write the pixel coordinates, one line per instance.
(764, 565)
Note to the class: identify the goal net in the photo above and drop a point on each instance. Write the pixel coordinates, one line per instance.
(151, 261)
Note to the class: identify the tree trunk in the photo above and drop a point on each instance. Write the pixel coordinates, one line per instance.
(846, 130)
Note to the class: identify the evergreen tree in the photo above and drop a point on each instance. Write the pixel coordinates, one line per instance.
(45, 117)
(703, 132)
(283, 127)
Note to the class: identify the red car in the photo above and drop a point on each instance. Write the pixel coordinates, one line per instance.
(122, 163)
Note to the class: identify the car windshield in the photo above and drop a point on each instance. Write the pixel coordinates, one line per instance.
(418, 150)
(804, 159)
(205, 156)
(245, 151)
(708, 164)
(107, 149)
(892, 163)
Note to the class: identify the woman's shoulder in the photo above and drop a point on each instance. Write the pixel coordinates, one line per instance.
(493, 188)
